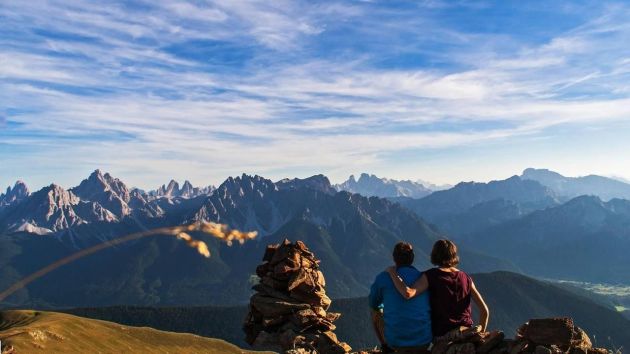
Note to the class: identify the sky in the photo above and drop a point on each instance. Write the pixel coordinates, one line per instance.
(443, 91)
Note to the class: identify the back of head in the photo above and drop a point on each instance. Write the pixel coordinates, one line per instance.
(444, 254)
(403, 254)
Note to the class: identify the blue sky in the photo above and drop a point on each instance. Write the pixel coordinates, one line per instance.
(436, 90)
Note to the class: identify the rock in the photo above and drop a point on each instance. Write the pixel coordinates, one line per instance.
(489, 341)
(461, 348)
(540, 349)
(548, 331)
(578, 350)
(519, 347)
(597, 351)
(272, 307)
(580, 338)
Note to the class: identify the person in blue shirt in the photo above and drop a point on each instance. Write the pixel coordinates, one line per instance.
(400, 323)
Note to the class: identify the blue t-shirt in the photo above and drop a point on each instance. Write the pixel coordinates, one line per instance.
(407, 322)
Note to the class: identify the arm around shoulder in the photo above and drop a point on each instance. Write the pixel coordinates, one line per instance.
(408, 292)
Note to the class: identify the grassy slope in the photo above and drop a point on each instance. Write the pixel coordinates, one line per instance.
(51, 332)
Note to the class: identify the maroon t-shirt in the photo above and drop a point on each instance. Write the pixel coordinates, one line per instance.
(449, 294)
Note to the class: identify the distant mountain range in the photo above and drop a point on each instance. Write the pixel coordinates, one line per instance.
(353, 234)
(372, 186)
(571, 187)
(517, 224)
(584, 239)
(471, 206)
(98, 198)
(172, 189)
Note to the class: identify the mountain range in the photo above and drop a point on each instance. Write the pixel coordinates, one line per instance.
(571, 187)
(517, 224)
(353, 234)
(584, 239)
(98, 198)
(372, 186)
(471, 206)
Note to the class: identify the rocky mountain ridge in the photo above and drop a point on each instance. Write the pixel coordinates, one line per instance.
(98, 198)
(354, 234)
(373, 186)
(187, 190)
(472, 206)
(14, 195)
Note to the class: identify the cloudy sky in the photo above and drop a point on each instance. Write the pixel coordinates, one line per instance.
(438, 90)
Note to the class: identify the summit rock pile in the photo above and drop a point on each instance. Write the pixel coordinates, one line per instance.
(553, 335)
(538, 336)
(288, 312)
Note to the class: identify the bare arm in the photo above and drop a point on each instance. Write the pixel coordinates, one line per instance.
(484, 313)
(418, 287)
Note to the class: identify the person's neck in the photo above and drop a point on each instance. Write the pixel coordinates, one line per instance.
(448, 269)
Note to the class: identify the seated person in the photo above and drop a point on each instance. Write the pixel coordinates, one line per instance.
(450, 291)
(400, 323)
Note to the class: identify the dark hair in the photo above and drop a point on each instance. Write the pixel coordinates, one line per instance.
(403, 254)
(444, 254)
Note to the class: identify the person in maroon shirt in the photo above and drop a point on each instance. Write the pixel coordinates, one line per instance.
(450, 291)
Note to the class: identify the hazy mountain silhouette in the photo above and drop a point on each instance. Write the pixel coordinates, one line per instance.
(372, 186)
(471, 206)
(583, 239)
(570, 187)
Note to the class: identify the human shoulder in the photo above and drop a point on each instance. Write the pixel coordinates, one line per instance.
(431, 272)
(465, 276)
(382, 277)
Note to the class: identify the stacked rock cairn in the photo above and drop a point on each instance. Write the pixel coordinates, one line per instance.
(288, 312)
(539, 336)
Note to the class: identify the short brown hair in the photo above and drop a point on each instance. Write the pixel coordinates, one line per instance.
(403, 254)
(444, 254)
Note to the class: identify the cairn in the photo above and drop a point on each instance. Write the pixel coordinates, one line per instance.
(538, 336)
(288, 312)
(553, 335)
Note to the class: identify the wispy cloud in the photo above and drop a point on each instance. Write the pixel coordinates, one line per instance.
(207, 89)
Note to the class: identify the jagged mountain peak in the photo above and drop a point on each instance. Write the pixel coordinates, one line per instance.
(372, 185)
(98, 184)
(110, 192)
(173, 185)
(318, 182)
(55, 194)
(247, 183)
(19, 186)
(173, 190)
(14, 195)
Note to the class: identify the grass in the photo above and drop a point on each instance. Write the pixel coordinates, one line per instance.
(51, 332)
